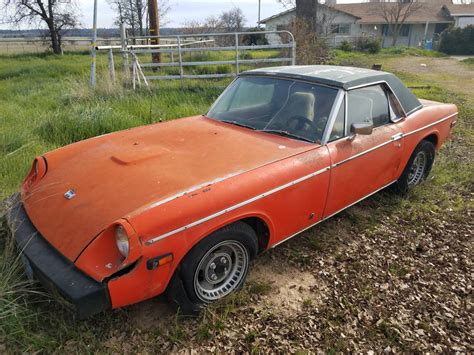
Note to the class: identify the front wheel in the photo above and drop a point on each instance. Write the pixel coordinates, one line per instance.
(217, 266)
(418, 167)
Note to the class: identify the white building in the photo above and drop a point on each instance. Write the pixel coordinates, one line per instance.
(349, 21)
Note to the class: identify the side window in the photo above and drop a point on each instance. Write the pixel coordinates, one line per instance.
(338, 128)
(368, 105)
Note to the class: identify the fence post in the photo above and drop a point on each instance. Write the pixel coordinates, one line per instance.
(134, 72)
(293, 52)
(237, 53)
(111, 65)
(123, 43)
(181, 73)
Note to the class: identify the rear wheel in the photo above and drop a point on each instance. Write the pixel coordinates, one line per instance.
(418, 167)
(216, 266)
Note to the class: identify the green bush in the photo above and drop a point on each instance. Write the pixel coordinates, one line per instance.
(412, 51)
(368, 44)
(254, 39)
(457, 40)
(245, 55)
(346, 46)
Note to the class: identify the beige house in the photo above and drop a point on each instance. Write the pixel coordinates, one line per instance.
(349, 21)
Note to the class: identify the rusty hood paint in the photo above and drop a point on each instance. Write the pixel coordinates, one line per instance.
(116, 174)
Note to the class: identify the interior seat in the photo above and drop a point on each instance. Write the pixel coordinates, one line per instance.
(298, 104)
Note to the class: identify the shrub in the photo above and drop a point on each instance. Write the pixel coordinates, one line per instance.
(346, 46)
(368, 44)
(245, 55)
(254, 39)
(457, 40)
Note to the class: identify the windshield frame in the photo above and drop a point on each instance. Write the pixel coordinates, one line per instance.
(332, 115)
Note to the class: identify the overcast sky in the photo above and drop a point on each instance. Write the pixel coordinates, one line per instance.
(183, 10)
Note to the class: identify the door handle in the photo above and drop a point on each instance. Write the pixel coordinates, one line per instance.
(397, 137)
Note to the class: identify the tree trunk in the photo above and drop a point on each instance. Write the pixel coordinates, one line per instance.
(55, 42)
(306, 11)
(395, 35)
(154, 18)
(394, 41)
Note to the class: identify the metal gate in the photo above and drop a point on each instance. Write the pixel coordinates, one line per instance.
(200, 56)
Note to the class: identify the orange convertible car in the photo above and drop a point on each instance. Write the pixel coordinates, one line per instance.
(183, 206)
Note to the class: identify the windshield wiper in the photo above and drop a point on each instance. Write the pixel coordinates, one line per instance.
(286, 134)
(238, 124)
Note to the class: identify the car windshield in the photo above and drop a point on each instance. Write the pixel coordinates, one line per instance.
(290, 108)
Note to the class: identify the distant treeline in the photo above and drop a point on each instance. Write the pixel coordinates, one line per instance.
(80, 32)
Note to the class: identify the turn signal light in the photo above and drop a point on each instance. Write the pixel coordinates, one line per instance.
(153, 263)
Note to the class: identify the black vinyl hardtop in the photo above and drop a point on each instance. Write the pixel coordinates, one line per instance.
(345, 78)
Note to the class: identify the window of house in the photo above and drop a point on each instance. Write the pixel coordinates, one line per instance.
(368, 105)
(388, 30)
(341, 28)
(282, 27)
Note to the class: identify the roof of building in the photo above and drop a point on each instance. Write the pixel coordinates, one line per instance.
(369, 13)
(460, 10)
(342, 77)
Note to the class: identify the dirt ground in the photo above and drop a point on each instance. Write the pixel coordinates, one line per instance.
(455, 76)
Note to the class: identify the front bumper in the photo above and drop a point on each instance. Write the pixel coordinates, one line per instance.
(51, 268)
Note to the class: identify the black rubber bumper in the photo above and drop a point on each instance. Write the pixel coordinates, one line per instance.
(55, 272)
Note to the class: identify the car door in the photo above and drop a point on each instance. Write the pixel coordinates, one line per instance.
(363, 164)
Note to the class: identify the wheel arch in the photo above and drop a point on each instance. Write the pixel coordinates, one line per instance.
(433, 138)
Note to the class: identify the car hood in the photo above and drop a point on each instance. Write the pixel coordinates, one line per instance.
(115, 174)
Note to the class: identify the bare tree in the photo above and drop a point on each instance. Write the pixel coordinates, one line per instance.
(210, 24)
(134, 14)
(395, 13)
(232, 20)
(57, 15)
(287, 4)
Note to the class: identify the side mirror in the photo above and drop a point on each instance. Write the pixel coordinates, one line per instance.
(362, 128)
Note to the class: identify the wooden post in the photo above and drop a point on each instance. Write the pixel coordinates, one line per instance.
(93, 45)
(154, 19)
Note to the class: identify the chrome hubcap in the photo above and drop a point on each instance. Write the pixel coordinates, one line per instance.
(220, 271)
(417, 169)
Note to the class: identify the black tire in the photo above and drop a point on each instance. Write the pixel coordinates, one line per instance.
(219, 246)
(414, 173)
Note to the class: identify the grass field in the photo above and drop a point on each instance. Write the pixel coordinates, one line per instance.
(390, 272)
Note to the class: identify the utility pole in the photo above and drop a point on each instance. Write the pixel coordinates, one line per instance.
(154, 18)
(259, 8)
(93, 45)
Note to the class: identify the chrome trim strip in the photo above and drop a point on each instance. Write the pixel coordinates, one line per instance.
(430, 125)
(326, 218)
(234, 207)
(294, 182)
(362, 153)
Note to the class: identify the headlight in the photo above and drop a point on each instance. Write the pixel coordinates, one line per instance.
(122, 241)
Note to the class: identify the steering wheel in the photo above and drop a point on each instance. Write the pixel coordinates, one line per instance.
(301, 123)
(321, 125)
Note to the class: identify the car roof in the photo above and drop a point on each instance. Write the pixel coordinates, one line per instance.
(342, 77)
